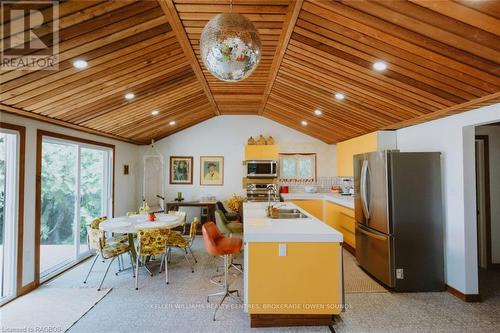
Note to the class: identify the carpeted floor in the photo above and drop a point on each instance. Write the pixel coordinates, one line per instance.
(49, 306)
(357, 281)
(181, 306)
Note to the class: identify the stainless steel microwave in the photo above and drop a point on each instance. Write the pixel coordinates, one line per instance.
(262, 169)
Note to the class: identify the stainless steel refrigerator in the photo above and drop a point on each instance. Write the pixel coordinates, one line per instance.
(399, 225)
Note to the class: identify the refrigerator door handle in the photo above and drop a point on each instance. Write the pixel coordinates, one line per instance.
(371, 234)
(364, 173)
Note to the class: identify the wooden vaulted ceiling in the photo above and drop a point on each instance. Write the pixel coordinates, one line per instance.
(443, 57)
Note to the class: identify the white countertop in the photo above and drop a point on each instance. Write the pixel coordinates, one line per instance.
(259, 228)
(343, 200)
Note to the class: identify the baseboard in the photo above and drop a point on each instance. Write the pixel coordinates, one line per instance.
(349, 248)
(286, 320)
(462, 296)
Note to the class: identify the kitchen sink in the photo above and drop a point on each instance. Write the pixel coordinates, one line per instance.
(286, 213)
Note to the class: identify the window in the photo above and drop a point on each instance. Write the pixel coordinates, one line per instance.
(301, 166)
(76, 187)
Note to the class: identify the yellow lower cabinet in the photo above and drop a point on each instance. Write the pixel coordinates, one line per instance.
(307, 280)
(342, 219)
(313, 207)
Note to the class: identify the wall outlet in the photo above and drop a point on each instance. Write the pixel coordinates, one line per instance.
(400, 275)
(282, 250)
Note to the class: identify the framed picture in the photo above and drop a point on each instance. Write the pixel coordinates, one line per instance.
(181, 170)
(212, 170)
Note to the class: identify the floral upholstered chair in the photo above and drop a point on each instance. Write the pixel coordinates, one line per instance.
(151, 242)
(106, 248)
(176, 240)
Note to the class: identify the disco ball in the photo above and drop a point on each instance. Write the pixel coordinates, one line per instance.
(230, 47)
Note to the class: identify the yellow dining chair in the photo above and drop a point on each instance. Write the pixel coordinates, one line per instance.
(175, 240)
(151, 242)
(107, 248)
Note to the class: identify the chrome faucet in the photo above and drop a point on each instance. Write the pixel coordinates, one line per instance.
(270, 188)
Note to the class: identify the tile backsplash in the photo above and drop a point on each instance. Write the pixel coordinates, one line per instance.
(322, 184)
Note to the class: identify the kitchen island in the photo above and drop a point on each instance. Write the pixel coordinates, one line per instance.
(293, 268)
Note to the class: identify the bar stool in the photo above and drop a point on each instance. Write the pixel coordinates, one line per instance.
(218, 245)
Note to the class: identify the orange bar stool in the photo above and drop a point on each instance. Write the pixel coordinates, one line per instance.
(217, 244)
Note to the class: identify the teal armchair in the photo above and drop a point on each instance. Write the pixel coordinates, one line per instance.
(225, 226)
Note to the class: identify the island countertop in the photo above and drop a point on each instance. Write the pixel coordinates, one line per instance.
(260, 228)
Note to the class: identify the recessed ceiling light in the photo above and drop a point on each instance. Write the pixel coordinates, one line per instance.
(172, 123)
(303, 123)
(129, 96)
(339, 96)
(318, 112)
(155, 112)
(379, 66)
(80, 64)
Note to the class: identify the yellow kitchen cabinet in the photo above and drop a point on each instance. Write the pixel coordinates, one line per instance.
(307, 280)
(261, 152)
(376, 141)
(342, 219)
(313, 207)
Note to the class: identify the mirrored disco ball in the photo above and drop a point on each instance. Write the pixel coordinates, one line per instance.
(230, 47)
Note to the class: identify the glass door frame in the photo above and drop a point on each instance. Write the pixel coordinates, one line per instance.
(108, 205)
(20, 132)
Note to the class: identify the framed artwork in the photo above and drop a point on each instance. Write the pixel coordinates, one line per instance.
(181, 170)
(212, 170)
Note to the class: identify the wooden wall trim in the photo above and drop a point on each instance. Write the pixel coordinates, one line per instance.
(53, 121)
(38, 185)
(20, 205)
(487, 197)
(462, 296)
(289, 25)
(173, 18)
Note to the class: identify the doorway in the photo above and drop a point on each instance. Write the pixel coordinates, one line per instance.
(75, 188)
(487, 163)
(12, 149)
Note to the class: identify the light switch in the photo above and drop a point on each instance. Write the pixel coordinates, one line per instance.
(282, 250)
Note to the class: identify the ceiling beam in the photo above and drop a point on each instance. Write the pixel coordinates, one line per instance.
(39, 117)
(288, 26)
(172, 15)
(452, 110)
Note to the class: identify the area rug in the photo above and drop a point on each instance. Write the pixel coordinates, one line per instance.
(356, 280)
(49, 309)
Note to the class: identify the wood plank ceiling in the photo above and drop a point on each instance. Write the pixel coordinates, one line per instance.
(443, 57)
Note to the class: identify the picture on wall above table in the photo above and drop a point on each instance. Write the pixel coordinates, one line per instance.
(181, 170)
(212, 170)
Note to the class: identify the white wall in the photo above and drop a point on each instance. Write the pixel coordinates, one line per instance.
(493, 133)
(226, 136)
(454, 138)
(125, 186)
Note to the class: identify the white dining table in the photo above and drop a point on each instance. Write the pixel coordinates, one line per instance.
(131, 224)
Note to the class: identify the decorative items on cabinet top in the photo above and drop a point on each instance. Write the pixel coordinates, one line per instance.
(261, 141)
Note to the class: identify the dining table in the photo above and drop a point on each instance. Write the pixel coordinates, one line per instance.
(131, 224)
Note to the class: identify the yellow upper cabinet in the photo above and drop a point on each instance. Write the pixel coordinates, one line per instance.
(261, 152)
(375, 141)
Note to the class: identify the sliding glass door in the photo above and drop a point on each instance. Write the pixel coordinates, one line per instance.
(76, 187)
(9, 171)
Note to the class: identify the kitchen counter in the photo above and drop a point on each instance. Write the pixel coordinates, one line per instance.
(293, 268)
(260, 228)
(343, 200)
